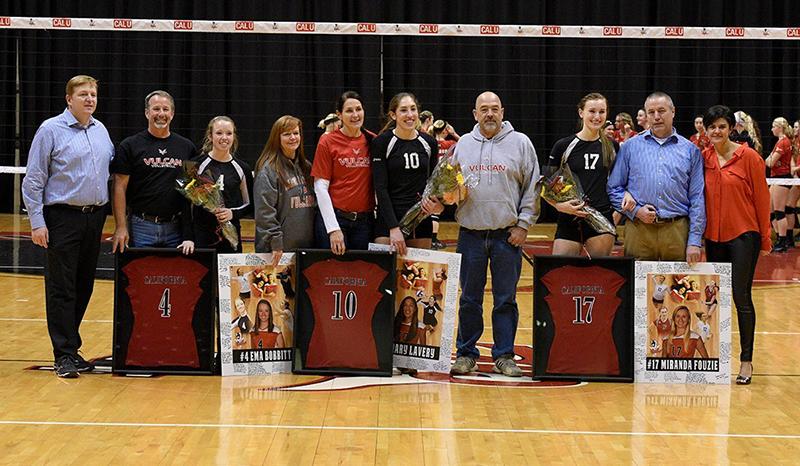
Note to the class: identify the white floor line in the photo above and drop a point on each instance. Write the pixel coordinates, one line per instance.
(399, 429)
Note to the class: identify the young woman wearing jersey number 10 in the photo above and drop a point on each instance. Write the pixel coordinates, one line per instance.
(402, 160)
(590, 160)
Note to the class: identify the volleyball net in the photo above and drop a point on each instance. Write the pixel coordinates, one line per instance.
(256, 71)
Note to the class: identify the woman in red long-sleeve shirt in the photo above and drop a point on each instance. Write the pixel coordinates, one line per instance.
(737, 219)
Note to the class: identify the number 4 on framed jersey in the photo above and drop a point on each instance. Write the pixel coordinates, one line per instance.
(583, 318)
(344, 312)
(164, 311)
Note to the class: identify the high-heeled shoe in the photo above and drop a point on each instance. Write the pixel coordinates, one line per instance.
(745, 380)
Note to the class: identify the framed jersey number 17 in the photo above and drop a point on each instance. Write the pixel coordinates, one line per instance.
(581, 303)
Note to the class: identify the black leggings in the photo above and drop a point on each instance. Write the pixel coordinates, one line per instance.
(742, 253)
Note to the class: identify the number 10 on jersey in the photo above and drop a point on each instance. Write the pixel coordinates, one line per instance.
(350, 305)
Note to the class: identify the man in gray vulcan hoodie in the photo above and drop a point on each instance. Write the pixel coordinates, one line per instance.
(494, 221)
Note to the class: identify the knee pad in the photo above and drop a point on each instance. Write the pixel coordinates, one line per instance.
(772, 216)
(779, 215)
(790, 210)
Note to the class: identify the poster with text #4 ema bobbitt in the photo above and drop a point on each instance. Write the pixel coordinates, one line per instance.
(256, 313)
(425, 308)
(683, 323)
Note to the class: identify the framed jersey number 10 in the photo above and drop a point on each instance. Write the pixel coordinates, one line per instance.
(350, 305)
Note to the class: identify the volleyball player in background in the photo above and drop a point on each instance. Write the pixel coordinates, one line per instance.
(218, 162)
(402, 160)
(624, 128)
(590, 159)
(779, 163)
(641, 119)
(792, 210)
(330, 123)
(700, 139)
(746, 132)
(426, 122)
(608, 130)
(446, 137)
(284, 202)
(737, 222)
(343, 181)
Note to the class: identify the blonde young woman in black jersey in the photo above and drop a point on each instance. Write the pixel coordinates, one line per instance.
(591, 155)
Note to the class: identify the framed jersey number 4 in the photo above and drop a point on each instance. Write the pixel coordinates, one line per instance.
(344, 313)
(583, 318)
(164, 308)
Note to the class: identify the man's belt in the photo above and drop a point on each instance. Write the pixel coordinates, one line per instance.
(84, 209)
(158, 218)
(661, 220)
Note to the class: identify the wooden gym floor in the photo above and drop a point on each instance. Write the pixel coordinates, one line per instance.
(105, 419)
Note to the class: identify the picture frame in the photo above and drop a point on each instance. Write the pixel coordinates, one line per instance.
(583, 318)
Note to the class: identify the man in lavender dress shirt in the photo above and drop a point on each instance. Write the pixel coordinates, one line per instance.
(657, 181)
(65, 190)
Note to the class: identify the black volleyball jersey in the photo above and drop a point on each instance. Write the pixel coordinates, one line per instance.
(586, 162)
(400, 171)
(237, 182)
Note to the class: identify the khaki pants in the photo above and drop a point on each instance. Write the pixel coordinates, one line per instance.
(657, 241)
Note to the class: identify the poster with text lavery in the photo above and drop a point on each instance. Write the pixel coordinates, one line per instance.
(683, 323)
(256, 313)
(425, 308)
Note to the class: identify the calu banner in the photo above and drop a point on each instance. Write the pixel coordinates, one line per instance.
(683, 323)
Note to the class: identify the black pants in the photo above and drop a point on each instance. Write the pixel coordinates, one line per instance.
(69, 272)
(742, 253)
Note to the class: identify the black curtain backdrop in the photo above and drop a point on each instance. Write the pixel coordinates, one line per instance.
(257, 78)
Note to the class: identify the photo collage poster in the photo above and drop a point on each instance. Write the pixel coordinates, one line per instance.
(683, 322)
(425, 308)
(256, 313)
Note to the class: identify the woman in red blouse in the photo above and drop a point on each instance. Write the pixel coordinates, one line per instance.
(779, 163)
(737, 219)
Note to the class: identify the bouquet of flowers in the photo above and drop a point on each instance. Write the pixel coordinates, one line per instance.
(561, 186)
(447, 184)
(206, 193)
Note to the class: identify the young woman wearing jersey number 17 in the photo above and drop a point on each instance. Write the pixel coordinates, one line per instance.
(402, 160)
(590, 158)
(343, 181)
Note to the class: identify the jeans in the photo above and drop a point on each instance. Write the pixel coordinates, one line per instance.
(357, 233)
(479, 249)
(147, 234)
(742, 253)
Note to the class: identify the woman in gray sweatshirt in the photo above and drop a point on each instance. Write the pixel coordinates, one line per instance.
(284, 198)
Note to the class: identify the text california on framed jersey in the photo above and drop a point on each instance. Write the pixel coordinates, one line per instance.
(424, 308)
(583, 318)
(164, 306)
(683, 323)
(256, 313)
(344, 316)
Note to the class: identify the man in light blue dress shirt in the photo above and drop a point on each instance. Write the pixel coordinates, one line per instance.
(657, 181)
(65, 190)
